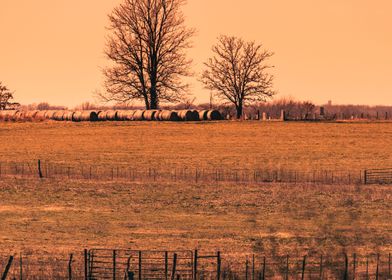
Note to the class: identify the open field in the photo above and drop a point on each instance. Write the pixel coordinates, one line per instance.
(53, 215)
(270, 218)
(300, 146)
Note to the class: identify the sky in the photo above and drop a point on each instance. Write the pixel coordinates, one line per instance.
(339, 50)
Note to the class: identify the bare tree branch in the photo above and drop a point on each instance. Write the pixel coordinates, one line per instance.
(147, 46)
(237, 72)
(6, 96)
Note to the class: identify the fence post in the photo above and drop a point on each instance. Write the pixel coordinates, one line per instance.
(367, 267)
(287, 267)
(7, 268)
(253, 267)
(39, 169)
(174, 266)
(85, 264)
(20, 266)
(166, 264)
(140, 265)
(195, 265)
(345, 277)
(389, 265)
(246, 269)
(264, 264)
(218, 269)
(365, 177)
(377, 267)
(354, 266)
(70, 267)
(114, 264)
(321, 267)
(303, 268)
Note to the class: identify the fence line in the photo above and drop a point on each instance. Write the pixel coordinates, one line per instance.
(191, 265)
(197, 175)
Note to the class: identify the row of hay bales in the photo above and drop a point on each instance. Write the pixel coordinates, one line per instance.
(111, 115)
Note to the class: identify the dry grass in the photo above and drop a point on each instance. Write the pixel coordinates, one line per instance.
(301, 146)
(270, 218)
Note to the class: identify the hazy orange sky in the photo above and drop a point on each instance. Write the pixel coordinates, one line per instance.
(52, 50)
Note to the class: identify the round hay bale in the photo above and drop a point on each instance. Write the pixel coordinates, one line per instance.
(203, 115)
(8, 115)
(138, 115)
(68, 116)
(20, 116)
(169, 116)
(149, 115)
(31, 114)
(214, 115)
(128, 115)
(58, 115)
(85, 116)
(187, 115)
(40, 115)
(49, 114)
(111, 115)
(121, 115)
(102, 116)
(195, 116)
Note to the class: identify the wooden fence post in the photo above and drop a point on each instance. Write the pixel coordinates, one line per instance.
(287, 267)
(365, 177)
(354, 266)
(264, 265)
(140, 265)
(39, 169)
(246, 269)
(389, 265)
(345, 276)
(321, 267)
(253, 267)
(70, 267)
(195, 265)
(367, 267)
(114, 264)
(377, 267)
(174, 266)
(7, 268)
(303, 268)
(166, 264)
(218, 268)
(86, 274)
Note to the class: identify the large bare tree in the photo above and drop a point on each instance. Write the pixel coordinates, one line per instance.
(6, 96)
(238, 73)
(148, 44)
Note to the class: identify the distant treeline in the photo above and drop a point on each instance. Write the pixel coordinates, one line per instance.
(294, 110)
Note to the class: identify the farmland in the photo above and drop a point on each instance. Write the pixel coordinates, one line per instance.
(228, 145)
(273, 218)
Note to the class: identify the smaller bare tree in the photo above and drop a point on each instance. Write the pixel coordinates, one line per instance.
(237, 72)
(6, 96)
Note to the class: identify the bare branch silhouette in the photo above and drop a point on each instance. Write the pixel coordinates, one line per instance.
(237, 72)
(6, 96)
(147, 45)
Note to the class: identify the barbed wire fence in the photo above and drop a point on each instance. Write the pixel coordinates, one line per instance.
(191, 265)
(52, 170)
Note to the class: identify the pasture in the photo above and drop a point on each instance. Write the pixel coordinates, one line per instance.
(274, 219)
(225, 144)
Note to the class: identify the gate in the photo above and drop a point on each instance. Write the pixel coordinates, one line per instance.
(378, 176)
(132, 264)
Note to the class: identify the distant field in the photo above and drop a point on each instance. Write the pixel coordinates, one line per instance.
(294, 145)
(267, 219)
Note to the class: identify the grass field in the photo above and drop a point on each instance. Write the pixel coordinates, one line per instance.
(300, 146)
(272, 218)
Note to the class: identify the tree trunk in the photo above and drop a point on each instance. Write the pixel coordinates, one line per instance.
(239, 110)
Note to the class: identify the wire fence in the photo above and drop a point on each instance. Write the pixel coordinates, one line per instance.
(96, 172)
(191, 265)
